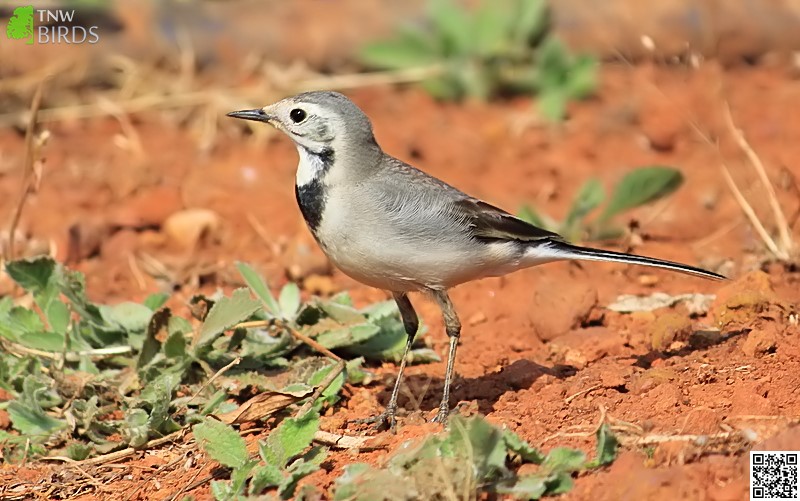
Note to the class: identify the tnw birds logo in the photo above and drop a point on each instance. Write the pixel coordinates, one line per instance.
(48, 26)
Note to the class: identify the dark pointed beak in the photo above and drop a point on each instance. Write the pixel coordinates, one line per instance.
(257, 115)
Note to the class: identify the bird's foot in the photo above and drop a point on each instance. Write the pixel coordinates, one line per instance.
(385, 419)
(441, 416)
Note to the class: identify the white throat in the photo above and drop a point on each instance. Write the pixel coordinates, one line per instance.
(309, 167)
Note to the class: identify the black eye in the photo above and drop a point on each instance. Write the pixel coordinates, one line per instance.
(297, 115)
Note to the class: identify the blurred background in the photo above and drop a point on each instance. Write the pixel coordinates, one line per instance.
(136, 131)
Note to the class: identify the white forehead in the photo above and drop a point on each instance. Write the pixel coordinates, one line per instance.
(285, 107)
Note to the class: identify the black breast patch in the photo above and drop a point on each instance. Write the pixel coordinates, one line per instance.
(311, 196)
(311, 199)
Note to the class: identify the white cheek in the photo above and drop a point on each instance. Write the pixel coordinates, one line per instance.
(309, 168)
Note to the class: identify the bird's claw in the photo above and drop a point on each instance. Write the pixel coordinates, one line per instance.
(441, 416)
(384, 419)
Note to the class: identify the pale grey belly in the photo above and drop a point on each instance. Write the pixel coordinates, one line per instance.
(404, 262)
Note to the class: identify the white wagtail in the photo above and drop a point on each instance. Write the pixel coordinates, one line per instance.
(391, 226)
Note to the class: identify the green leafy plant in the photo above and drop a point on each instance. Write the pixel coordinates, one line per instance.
(501, 47)
(473, 457)
(639, 187)
(283, 461)
(143, 371)
(375, 332)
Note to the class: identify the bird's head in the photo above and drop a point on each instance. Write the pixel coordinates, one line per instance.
(316, 121)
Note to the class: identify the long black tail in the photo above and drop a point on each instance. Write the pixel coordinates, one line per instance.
(569, 251)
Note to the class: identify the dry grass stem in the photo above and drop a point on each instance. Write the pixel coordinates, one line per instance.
(751, 214)
(783, 249)
(69, 356)
(236, 361)
(357, 80)
(27, 172)
(758, 166)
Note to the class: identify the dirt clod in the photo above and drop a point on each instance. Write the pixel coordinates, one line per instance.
(561, 308)
(761, 341)
(669, 331)
(741, 303)
(188, 228)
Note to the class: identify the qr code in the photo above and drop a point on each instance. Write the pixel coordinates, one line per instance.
(773, 475)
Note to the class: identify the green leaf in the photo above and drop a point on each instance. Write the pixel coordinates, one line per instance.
(158, 394)
(492, 28)
(137, 431)
(559, 483)
(607, 445)
(152, 346)
(45, 341)
(73, 286)
(259, 287)
(380, 310)
(226, 313)
(531, 22)
(476, 80)
(289, 300)
(297, 471)
(342, 313)
(129, 316)
(289, 439)
(552, 104)
(522, 448)
(442, 88)
(348, 336)
(19, 322)
(179, 325)
(361, 482)
(221, 443)
(336, 385)
(405, 52)
(553, 62)
(39, 390)
(564, 459)
(582, 77)
(588, 198)
(525, 487)
(530, 215)
(29, 419)
(452, 25)
(25, 327)
(156, 301)
(356, 374)
(474, 437)
(34, 274)
(78, 451)
(41, 276)
(57, 314)
(642, 186)
(264, 476)
(222, 490)
(239, 477)
(175, 345)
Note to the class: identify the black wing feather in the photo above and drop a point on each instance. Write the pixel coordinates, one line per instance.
(490, 223)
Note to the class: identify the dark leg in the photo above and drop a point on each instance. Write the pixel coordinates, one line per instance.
(411, 324)
(452, 326)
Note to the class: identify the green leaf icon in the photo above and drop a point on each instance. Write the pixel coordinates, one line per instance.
(20, 25)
